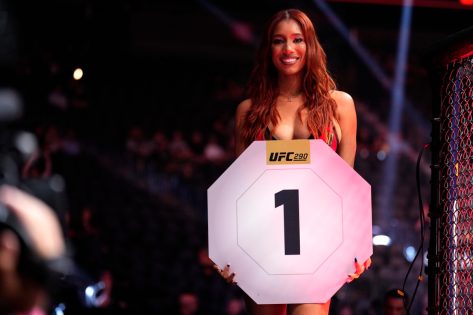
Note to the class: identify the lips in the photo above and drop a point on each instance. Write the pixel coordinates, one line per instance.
(289, 60)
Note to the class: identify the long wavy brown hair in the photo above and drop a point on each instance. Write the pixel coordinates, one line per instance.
(316, 84)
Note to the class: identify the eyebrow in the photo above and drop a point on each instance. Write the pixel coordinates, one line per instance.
(294, 34)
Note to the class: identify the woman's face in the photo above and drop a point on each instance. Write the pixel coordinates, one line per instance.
(288, 48)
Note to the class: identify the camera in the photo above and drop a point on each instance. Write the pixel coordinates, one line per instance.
(68, 286)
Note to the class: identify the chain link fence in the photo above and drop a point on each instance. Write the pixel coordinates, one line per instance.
(455, 224)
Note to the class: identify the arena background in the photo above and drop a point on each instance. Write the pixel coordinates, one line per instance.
(149, 127)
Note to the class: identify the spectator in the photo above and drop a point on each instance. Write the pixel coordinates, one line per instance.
(235, 306)
(188, 304)
(213, 152)
(395, 302)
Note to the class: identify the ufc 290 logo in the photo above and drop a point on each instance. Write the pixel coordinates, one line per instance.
(288, 157)
(288, 152)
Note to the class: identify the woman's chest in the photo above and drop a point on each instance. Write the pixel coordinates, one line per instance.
(292, 124)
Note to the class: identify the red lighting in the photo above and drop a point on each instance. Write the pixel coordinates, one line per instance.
(466, 2)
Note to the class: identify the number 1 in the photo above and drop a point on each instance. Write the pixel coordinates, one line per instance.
(290, 199)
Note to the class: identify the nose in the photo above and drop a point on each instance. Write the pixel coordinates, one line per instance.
(288, 48)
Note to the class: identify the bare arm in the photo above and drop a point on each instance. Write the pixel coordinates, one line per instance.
(240, 115)
(346, 116)
(241, 111)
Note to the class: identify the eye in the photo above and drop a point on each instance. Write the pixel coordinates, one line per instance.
(298, 40)
(277, 41)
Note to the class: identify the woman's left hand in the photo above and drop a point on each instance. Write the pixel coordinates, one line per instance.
(359, 269)
(226, 273)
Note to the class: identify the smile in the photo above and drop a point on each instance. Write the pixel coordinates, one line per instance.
(289, 60)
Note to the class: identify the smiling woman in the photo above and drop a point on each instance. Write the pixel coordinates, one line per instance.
(292, 96)
(288, 48)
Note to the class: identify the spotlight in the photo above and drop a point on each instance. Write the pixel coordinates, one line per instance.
(93, 294)
(409, 253)
(78, 74)
(59, 309)
(381, 240)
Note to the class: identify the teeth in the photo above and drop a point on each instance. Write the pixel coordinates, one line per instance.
(288, 60)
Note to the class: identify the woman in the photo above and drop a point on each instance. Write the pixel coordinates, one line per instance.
(292, 96)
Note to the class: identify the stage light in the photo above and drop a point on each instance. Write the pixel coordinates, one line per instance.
(409, 253)
(381, 155)
(466, 2)
(59, 310)
(93, 294)
(78, 74)
(381, 240)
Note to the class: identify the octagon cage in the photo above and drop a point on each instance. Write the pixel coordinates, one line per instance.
(451, 248)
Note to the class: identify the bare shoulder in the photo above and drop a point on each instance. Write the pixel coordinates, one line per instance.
(345, 103)
(242, 109)
(346, 118)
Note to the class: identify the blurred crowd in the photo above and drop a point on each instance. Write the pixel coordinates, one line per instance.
(137, 187)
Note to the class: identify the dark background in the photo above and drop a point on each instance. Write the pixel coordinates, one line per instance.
(158, 72)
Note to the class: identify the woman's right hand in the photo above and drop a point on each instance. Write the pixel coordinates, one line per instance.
(226, 273)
